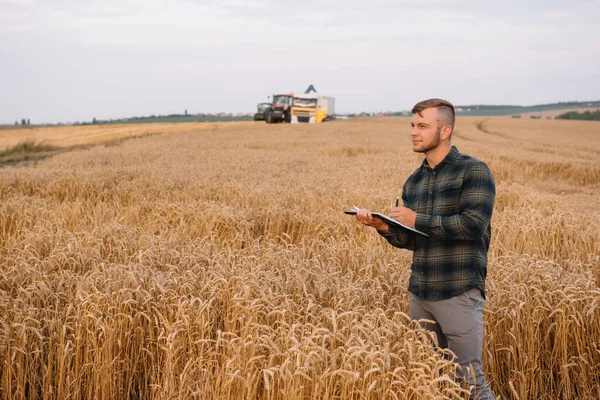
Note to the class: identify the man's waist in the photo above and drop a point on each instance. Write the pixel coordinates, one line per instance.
(443, 290)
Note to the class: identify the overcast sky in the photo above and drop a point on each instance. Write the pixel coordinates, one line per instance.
(73, 60)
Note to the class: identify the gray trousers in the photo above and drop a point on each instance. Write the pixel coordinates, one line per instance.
(459, 327)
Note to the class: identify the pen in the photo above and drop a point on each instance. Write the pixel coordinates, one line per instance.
(397, 200)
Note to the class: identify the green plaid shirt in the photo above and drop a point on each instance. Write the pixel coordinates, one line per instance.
(454, 203)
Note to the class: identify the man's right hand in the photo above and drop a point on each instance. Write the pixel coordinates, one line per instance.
(364, 217)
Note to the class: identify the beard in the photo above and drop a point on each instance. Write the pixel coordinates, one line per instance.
(435, 142)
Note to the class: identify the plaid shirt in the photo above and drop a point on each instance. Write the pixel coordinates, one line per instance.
(454, 203)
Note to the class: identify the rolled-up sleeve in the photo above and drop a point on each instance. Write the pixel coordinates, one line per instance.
(400, 238)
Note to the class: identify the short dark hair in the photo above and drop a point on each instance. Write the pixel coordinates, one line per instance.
(445, 109)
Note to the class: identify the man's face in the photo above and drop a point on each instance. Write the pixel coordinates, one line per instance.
(424, 130)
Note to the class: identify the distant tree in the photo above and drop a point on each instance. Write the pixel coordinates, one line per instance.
(23, 122)
(28, 122)
(186, 111)
(16, 122)
(94, 121)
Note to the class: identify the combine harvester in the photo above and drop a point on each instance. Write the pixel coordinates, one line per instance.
(298, 108)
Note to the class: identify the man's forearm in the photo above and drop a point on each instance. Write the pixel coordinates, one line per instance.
(397, 237)
(465, 226)
(383, 229)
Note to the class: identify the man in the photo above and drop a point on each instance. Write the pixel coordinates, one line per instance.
(450, 197)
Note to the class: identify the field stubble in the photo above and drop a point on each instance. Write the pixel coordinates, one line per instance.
(217, 263)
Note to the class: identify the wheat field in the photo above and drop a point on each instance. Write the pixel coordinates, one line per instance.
(214, 261)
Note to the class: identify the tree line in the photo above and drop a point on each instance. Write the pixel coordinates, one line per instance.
(586, 115)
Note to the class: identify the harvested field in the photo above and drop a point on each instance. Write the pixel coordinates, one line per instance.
(214, 261)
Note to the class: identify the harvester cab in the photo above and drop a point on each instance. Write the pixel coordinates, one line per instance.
(312, 108)
(304, 108)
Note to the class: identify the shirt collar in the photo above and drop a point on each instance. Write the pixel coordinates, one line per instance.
(449, 159)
